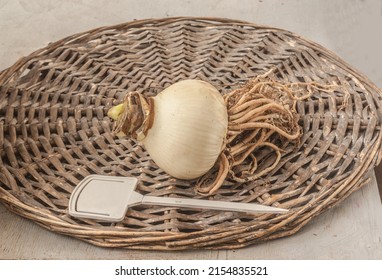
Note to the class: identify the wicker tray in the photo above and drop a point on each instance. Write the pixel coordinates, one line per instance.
(54, 130)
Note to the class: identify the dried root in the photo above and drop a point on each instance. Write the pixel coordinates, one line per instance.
(261, 114)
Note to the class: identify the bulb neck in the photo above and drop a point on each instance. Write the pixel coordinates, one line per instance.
(137, 116)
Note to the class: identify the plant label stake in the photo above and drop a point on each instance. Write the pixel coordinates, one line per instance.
(107, 198)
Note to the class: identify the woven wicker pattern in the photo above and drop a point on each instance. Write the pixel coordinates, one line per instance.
(54, 130)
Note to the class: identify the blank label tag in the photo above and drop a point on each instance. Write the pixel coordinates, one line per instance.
(102, 197)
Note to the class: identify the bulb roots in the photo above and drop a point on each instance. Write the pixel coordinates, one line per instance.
(261, 116)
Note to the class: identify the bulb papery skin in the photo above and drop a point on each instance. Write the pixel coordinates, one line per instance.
(188, 130)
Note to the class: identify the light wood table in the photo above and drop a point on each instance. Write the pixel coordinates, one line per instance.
(351, 230)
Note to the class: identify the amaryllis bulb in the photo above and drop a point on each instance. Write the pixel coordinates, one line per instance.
(183, 128)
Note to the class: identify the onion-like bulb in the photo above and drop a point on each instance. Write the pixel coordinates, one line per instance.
(192, 131)
(183, 128)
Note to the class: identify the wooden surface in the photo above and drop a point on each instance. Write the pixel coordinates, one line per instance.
(352, 230)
